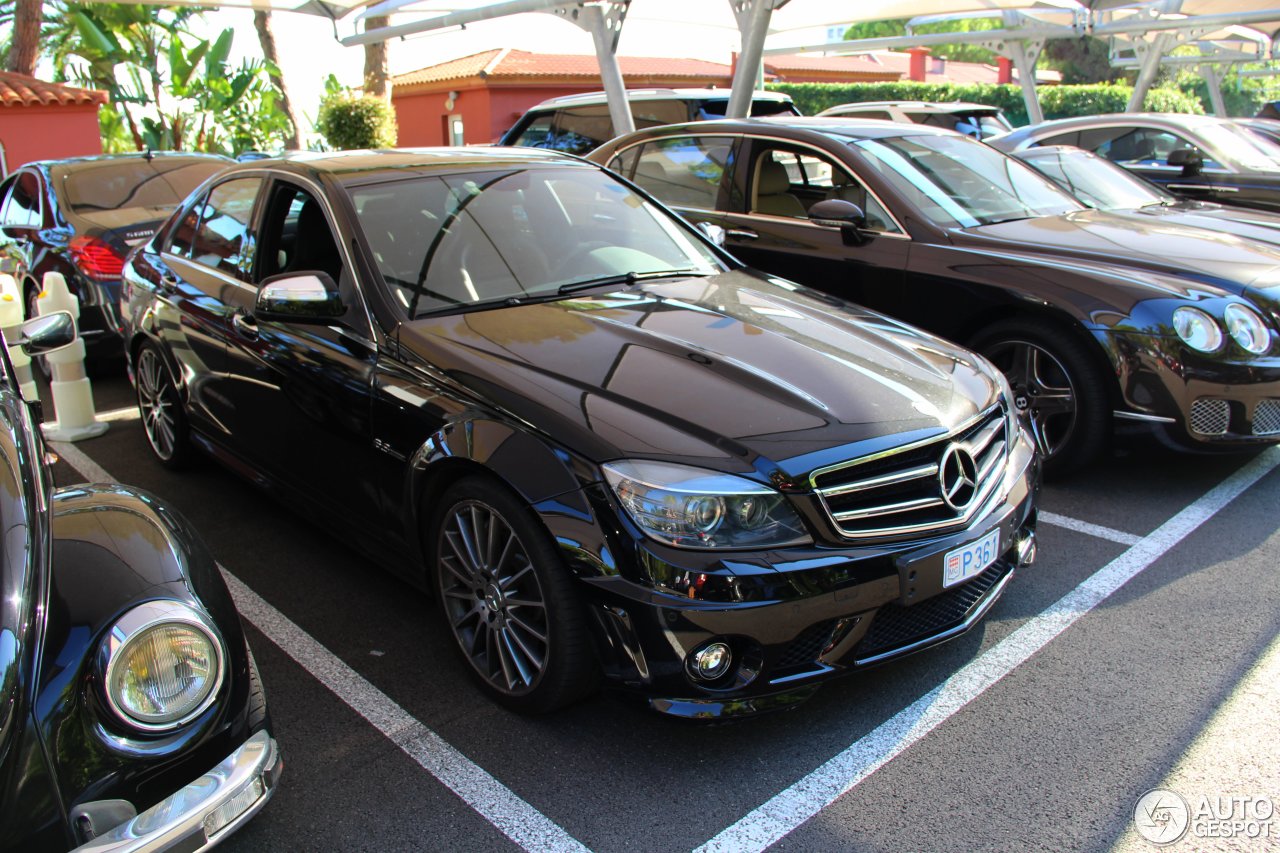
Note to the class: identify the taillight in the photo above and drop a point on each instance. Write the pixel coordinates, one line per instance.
(95, 258)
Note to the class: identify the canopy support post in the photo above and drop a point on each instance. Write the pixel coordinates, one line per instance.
(604, 23)
(753, 18)
(1149, 56)
(1213, 79)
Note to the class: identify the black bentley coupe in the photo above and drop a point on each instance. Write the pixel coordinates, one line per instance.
(1099, 320)
(609, 449)
(131, 714)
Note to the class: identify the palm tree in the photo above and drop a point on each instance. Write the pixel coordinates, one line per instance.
(24, 48)
(262, 23)
(376, 79)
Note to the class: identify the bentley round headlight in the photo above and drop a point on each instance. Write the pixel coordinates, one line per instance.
(1197, 329)
(1247, 329)
(162, 664)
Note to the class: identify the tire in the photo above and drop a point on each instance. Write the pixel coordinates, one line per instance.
(163, 419)
(257, 702)
(1057, 386)
(508, 600)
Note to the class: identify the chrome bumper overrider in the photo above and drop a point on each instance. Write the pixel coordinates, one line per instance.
(205, 811)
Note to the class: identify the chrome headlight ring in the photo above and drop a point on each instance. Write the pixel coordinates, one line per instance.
(1247, 328)
(164, 654)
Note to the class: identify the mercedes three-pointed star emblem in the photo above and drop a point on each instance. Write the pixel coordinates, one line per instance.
(958, 477)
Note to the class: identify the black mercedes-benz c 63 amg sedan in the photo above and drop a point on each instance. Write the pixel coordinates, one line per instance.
(608, 448)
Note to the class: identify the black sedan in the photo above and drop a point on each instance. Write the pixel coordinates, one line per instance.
(1094, 317)
(611, 450)
(1198, 157)
(131, 717)
(80, 217)
(1101, 184)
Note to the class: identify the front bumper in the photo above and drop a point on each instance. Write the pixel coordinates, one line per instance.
(205, 811)
(796, 617)
(1201, 399)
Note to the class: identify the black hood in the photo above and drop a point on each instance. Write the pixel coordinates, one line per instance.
(732, 372)
(1190, 247)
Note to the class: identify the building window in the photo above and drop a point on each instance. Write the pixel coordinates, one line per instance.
(455, 131)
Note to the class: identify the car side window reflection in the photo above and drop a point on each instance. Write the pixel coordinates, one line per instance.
(22, 208)
(221, 234)
(184, 231)
(809, 179)
(685, 171)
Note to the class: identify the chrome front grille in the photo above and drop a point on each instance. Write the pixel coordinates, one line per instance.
(901, 492)
(1210, 416)
(1266, 417)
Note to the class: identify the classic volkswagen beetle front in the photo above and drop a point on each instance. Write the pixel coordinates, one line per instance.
(131, 717)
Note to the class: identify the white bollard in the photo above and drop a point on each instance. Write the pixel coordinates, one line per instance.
(72, 394)
(11, 312)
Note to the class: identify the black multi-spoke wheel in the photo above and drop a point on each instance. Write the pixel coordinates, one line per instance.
(163, 419)
(1057, 388)
(509, 600)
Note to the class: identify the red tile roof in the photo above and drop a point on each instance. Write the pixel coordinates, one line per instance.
(512, 65)
(19, 90)
(850, 67)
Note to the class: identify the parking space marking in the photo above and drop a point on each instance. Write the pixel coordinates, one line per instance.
(128, 413)
(496, 803)
(1091, 529)
(785, 812)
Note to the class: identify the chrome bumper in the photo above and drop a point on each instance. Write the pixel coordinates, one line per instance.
(205, 811)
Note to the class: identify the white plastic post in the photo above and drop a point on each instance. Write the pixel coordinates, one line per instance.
(10, 316)
(72, 394)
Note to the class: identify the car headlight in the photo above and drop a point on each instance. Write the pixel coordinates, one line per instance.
(694, 508)
(161, 664)
(1247, 329)
(1197, 329)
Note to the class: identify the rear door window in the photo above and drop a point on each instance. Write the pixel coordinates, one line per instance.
(685, 171)
(221, 234)
(22, 208)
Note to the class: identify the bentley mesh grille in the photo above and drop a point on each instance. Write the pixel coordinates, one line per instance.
(1210, 417)
(1266, 417)
(899, 493)
(896, 626)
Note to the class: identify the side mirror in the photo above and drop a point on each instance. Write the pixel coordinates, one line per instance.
(845, 215)
(299, 297)
(1190, 161)
(46, 333)
(714, 233)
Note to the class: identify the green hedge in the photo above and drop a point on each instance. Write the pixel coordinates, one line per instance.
(1055, 101)
(347, 122)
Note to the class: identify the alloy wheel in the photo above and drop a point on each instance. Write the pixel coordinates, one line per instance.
(493, 598)
(1042, 391)
(158, 402)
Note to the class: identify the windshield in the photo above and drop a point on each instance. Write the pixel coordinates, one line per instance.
(1094, 181)
(160, 182)
(1238, 147)
(955, 181)
(451, 242)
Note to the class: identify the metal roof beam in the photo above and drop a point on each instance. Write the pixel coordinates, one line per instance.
(456, 19)
(1034, 31)
(1208, 23)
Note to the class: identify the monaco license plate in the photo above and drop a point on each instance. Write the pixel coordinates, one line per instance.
(963, 563)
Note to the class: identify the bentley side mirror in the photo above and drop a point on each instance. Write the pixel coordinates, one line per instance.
(1190, 161)
(46, 333)
(299, 297)
(845, 215)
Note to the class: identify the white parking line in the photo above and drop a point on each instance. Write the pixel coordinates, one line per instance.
(1092, 529)
(511, 815)
(786, 811)
(129, 413)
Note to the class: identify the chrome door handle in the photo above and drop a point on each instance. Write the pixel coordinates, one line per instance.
(245, 325)
(742, 234)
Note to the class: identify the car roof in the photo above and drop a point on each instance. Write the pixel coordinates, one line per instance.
(851, 127)
(922, 106)
(80, 164)
(1184, 120)
(414, 160)
(656, 95)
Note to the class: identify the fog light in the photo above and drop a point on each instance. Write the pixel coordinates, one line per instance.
(1025, 546)
(711, 661)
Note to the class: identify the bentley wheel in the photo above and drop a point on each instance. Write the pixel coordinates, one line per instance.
(509, 601)
(163, 419)
(1057, 388)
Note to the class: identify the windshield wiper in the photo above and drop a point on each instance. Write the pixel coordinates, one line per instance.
(629, 278)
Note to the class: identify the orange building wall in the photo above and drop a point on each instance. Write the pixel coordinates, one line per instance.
(48, 132)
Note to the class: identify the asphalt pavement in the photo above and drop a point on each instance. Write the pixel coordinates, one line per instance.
(1132, 656)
